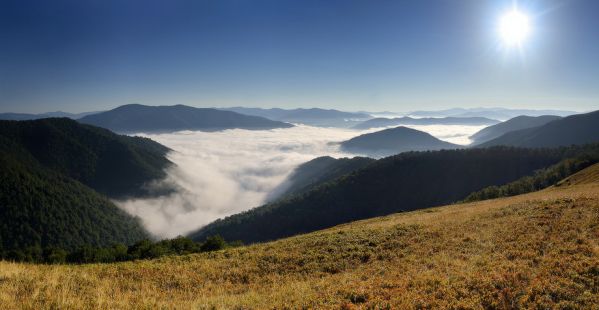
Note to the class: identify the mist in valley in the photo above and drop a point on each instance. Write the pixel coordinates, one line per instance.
(217, 174)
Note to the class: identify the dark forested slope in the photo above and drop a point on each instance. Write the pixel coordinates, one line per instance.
(115, 165)
(318, 171)
(403, 182)
(516, 123)
(576, 129)
(40, 208)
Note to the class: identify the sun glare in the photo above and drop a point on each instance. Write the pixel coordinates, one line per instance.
(514, 28)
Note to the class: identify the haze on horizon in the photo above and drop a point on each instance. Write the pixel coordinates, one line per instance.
(79, 56)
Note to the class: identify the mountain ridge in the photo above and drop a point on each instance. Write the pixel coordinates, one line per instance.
(133, 118)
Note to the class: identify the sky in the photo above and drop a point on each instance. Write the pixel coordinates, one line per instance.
(90, 55)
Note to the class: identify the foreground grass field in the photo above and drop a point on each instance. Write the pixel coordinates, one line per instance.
(539, 250)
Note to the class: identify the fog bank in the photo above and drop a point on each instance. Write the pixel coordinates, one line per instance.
(222, 173)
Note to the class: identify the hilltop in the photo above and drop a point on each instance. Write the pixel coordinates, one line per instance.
(394, 141)
(142, 118)
(537, 250)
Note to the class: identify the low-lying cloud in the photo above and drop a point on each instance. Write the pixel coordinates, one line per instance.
(222, 173)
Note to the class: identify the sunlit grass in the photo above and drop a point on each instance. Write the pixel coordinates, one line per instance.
(539, 250)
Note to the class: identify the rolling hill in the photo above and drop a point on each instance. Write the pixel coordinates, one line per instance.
(404, 182)
(386, 122)
(576, 129)
(536, 251)
(141, 118)
(394, 141)
(516, 123)
(114, 165)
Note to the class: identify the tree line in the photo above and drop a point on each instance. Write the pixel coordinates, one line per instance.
(144, 249)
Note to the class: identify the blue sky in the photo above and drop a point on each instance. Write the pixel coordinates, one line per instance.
(87, 55)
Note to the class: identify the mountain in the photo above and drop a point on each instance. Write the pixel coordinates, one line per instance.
(493, 113)
(314, 116)
(25, 116)
(114, 165)
(393, 141)
(534, 251)
(404, 182)
(575, 129)
(317, 171)
(40, 208)
(516, 123)
(141, 118)
(385, 122)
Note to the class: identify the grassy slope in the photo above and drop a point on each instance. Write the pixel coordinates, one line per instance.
(539, 249)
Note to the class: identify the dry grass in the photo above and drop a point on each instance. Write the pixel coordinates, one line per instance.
(539, 250)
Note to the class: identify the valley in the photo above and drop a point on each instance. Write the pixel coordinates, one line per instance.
(533, 250)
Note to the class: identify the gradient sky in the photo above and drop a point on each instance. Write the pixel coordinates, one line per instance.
(87, 55)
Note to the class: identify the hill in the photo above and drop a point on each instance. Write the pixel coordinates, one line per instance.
(393, 141)
(516, 123)
(114, 165)
(318, 171)
(313, 116)
(141, 118)
(40, 209)
(404, 182)
(576, 129)
(535, 251)
(386, 122)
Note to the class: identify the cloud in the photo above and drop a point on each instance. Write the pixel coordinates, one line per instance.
(222, 173)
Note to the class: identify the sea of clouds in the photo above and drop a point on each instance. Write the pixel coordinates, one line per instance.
(217, 174)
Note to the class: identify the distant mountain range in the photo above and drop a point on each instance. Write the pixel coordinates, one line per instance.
(386, 122)
(404, 182)
(314, 116)
(140, 118)
(25, 116)
(54, 173)
(516, 123)
(492, 113)
(394, 141)
(575, 129)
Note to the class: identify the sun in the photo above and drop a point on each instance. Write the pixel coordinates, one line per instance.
(514, 28)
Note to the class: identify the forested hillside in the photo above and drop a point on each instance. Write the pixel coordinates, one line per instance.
(41, 209)
(516, 123)
(318, 171)
(404, 182)
(576, 129)
(53, 174)
(114, 165)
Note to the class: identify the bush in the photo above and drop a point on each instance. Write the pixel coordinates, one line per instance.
(213, 243)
